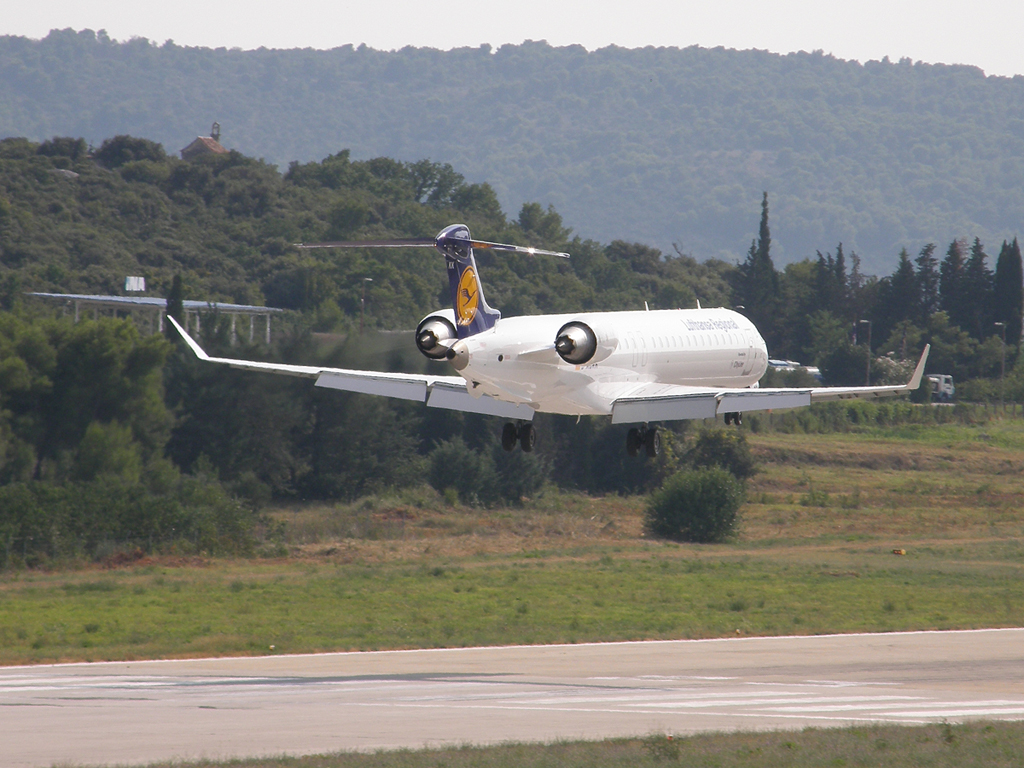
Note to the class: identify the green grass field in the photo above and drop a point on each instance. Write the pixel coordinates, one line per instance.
(815, 555)
(657, 592)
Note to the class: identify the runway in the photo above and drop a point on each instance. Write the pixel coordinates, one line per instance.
(218, 708)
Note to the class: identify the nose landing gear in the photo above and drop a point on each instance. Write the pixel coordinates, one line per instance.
(524, 434)
(648, 438)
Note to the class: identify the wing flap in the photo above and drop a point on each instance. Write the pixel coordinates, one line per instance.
(403, 389)
(741, 401)
(688, 405)
(455, 398)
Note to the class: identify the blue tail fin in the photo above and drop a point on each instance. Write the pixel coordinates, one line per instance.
(472, 315)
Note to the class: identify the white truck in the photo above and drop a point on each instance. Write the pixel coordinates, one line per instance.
(942, 387)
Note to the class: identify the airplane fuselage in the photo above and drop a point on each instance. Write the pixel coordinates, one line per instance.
(634, 351)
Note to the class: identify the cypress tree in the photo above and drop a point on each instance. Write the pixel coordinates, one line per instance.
(175, 305)
(830, 282)
(927, 283)
(824, 271)
(764, 237)
(951, 279)
(1008, 291)
(842, 289)
(977, 293)
(898, 297)
(904, 288)
(759, 282)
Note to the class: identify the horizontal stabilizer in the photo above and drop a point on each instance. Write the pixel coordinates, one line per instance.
(411, 242)
(484, 245)
(430, 242)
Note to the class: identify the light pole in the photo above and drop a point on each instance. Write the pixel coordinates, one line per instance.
(867, 368)
(362, 304)
(1002, 371)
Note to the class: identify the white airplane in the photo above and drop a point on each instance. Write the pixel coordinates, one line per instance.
(639, 367)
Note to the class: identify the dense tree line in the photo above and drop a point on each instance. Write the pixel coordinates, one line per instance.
(658, 145)
(825, 313)
(84, 429)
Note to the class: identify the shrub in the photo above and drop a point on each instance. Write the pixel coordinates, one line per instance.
(41, 521)
(699, 505)
(469, 471)
(519, 475)
(485, 476)
(64, 146)
(725, 448)
(115, 152)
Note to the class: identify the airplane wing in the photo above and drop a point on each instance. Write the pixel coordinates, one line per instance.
(666, 402)
(448, 392)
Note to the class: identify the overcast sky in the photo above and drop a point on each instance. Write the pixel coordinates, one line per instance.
(985, 33)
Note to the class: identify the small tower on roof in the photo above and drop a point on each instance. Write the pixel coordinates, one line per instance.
(205, 145)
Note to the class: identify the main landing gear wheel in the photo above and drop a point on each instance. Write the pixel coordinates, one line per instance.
(524, 434)
(509, 436)
(527, 437)
(652, 442)
(648, 438)
(734, 418)
(633, 441)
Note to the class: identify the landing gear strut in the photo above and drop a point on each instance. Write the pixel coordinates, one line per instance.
(734, 418)
(648, 438)
(524, 434)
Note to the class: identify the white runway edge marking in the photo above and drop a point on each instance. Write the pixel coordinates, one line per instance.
(1009, 707)
(780, 638)
(765, 715)
(738, 702)
(806, 704)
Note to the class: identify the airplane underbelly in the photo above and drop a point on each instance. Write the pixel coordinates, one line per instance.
(548, 389)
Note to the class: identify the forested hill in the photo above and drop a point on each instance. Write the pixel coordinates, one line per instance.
(650, 145)
(71, 221)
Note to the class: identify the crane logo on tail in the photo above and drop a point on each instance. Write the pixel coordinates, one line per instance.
(468, 297)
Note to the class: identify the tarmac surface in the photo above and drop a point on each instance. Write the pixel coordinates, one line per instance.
(137, 712)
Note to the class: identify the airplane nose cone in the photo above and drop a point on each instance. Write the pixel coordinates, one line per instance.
(458, 355)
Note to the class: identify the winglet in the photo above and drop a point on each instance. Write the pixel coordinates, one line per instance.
(188, 339)
(915, 380)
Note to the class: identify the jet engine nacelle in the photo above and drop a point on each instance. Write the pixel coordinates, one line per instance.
(436, 333)
(579, 343)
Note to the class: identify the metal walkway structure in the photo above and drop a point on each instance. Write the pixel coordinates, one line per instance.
(154, 308)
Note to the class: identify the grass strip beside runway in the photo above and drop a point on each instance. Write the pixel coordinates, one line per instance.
(978, 744)
(657, 592)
